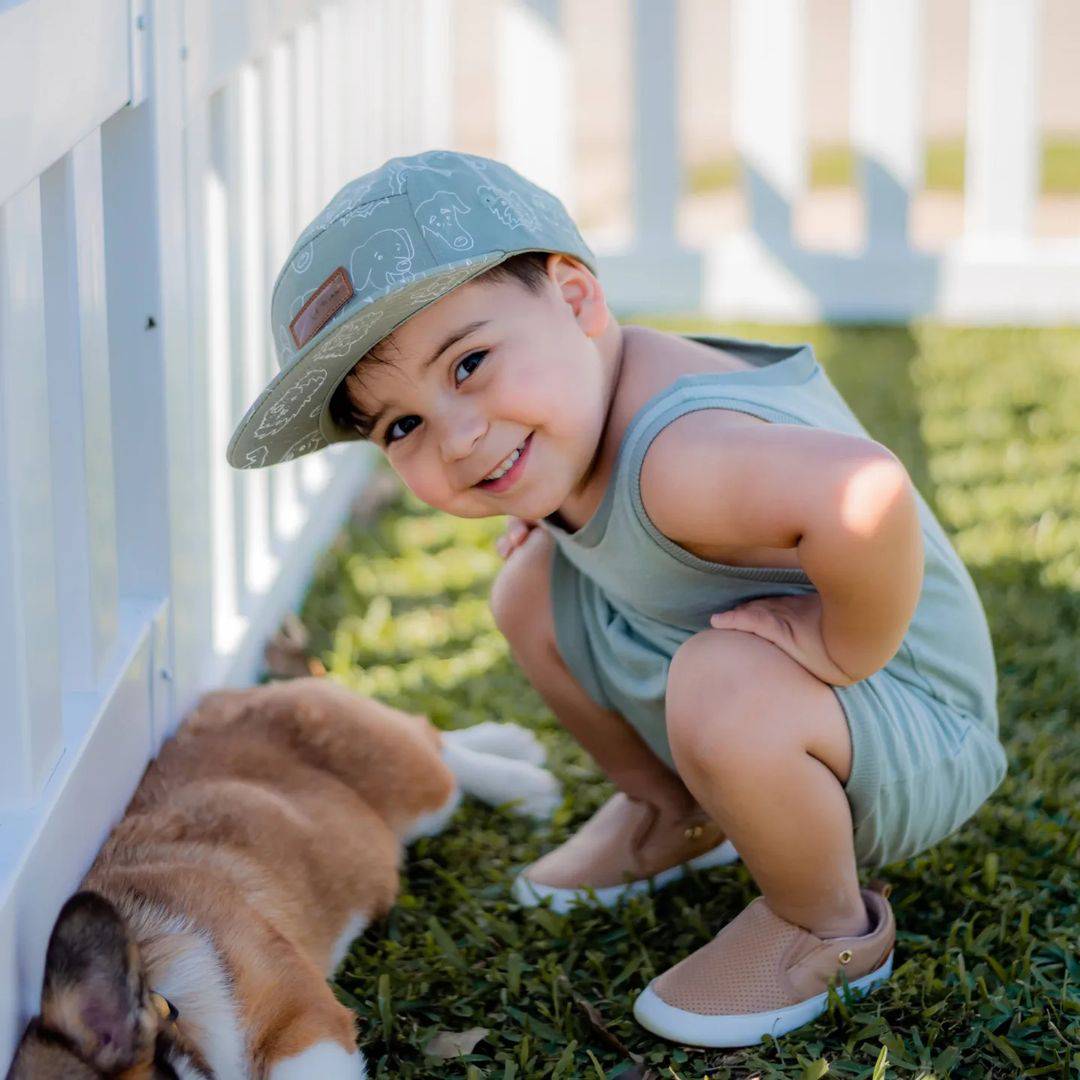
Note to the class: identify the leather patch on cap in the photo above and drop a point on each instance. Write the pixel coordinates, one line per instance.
(328, 298)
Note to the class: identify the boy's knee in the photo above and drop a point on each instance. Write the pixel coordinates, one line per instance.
(712, 661)
(735, 701)
(521, 594)
(713, 681)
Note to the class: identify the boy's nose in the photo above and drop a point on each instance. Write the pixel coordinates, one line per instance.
(461, 432)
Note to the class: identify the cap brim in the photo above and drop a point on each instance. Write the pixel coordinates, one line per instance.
(291, 416)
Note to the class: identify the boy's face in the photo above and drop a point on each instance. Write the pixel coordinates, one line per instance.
(526, 377)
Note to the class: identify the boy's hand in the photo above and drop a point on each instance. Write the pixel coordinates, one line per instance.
(517, 531)
(791, 623)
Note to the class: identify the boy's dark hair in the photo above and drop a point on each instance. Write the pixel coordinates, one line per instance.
(529, 269)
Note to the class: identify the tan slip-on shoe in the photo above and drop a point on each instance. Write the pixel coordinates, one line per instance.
(618, 851)
(762, 975)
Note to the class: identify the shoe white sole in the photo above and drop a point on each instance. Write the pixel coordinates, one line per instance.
(746, 1029)
(529, 893)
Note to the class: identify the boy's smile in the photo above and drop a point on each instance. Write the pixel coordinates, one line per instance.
(509, 469)
(493, 399)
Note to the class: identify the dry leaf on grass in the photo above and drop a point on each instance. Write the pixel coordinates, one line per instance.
(449, 1044)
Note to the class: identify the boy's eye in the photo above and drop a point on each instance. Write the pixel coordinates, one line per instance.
(468, 365)
(400, 428)
(462, 370)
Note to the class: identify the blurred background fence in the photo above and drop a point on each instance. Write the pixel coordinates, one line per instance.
(795, 159)
(799, 159)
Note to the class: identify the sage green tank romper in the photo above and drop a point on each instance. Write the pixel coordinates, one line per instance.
(924, 728)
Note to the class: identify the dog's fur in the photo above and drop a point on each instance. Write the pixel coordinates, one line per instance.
(265, 836)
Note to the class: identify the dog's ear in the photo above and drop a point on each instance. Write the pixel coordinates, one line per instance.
(43, 1055)
(94, 991)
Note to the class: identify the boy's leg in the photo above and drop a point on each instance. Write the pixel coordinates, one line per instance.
(765, 748)
(521, 604)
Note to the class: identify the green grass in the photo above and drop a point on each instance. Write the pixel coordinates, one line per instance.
(833, 166)
(987, 970)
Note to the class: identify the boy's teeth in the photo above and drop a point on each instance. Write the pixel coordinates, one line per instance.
(505, 467)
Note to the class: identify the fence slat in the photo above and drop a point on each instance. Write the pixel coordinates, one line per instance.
(1002, 167)
(195, 603)
(366, 84)
(80, 412)
(657, 161)
(769, 130)
(284, 225)
(312, 125)
(133, 216)
(534, 114)
(435, 86)
(397, 72)
(886, 125)
(252, 275)
(221, 290)
(336, 53)
(226, 297)
(31, 734)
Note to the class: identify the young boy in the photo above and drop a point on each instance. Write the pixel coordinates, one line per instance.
(733, 599)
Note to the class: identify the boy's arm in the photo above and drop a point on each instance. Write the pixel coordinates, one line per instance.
(845, 504)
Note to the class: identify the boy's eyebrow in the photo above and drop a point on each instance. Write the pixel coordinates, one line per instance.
(457, 335)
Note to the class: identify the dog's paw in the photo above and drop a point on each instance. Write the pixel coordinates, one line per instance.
(327, 1060)
(506, 740)
(539, 794)
(518, 786)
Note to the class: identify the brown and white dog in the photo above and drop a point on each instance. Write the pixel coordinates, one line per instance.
(264, 838)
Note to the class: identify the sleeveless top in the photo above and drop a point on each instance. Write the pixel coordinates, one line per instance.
(644, 595)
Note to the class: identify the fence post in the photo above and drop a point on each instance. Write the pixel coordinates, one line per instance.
(1002, 166)
(767, 95)
(80, 412)
(656, 174)
(435, 77)
(533, 112)
(656, 272)
(30, 736)
(885, 116)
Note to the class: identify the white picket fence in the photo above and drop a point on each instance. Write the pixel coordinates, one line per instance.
(157, 163)
(998, 272)
(158, 158)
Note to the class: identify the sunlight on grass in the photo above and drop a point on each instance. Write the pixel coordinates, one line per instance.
(834, 166)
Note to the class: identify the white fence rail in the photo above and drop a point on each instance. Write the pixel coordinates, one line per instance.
(158, 161)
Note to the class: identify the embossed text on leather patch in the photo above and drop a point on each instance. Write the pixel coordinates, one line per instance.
(319, 310)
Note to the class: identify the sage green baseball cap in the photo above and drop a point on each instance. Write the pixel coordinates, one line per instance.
(387, 244)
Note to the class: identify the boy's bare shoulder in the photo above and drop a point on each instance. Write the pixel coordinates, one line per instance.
(734, 488)
(728, 486)
(652, 361)
(681, 460)
(656, 358)
(700, 480)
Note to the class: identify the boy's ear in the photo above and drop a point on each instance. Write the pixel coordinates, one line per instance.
(581, 289)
